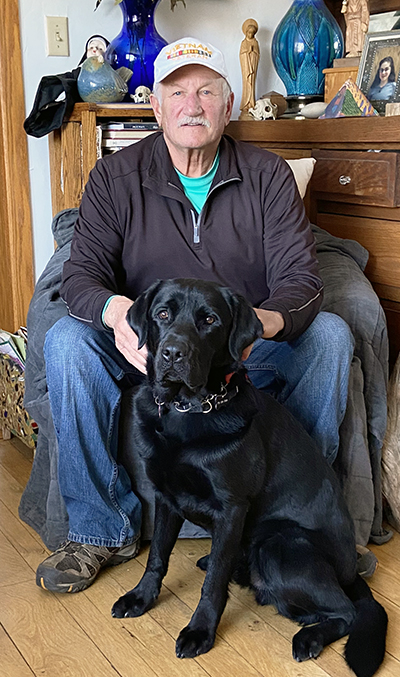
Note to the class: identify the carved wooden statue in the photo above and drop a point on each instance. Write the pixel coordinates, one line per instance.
(356, 14)
(249, 57)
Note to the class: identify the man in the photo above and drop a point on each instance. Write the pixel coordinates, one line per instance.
(187, 202)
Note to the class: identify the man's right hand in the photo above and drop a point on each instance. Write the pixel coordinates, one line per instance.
(125, 338)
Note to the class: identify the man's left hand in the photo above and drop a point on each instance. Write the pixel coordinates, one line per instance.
(272, 323)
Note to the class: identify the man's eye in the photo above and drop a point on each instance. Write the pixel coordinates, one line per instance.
(210, 319)
(163, 315)
(178, 93)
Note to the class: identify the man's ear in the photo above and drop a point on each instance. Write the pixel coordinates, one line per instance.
(246, 327)
(156, 106)
(137, 315)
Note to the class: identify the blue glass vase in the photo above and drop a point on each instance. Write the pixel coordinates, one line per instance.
(138, 43)
(306, 41)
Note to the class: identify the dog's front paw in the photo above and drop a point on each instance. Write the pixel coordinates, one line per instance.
(130, 605)
(307, 643)
(194, 641)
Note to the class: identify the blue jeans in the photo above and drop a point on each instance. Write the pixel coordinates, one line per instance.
(85, 377)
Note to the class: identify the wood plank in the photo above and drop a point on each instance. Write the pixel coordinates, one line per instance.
(12, 663)
(18, 465)
(111, 111)
(330, 207)
(10, 490)
(24, 539)
(89, 151)
(241, 628)
(135, 646)
(57, 195)
(15, 212)
(386, 580)
(71, 163)
(50, 641)
(381, 238)
(14, 569)
(173, 614)
(331, 660)
(356, 133)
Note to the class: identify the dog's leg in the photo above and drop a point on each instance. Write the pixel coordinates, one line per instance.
(167, 524)
(198, 637)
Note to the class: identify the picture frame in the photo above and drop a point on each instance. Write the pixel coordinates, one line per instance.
(379, 71)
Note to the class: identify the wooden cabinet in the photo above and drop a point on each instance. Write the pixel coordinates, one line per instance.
(355, 188)
(73, 148)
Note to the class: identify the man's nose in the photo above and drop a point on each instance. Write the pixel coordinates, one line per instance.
(193, 105)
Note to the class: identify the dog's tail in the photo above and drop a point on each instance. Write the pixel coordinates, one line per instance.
(365, 647)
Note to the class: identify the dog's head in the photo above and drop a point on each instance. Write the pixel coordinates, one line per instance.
(195, 331)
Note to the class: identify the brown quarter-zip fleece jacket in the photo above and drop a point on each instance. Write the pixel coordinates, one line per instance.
(136, 225)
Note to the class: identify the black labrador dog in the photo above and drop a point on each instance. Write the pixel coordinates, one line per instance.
(231, 459)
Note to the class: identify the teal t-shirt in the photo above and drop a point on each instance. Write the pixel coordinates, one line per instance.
(196, 189)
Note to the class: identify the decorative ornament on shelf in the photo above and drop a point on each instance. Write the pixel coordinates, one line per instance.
(356, 15)
(138, 43)
(264, 110)
(306, 41)
(249, 56)
(349, 102)
(98, 82)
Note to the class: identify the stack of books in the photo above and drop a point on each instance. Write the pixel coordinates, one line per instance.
(113, 136)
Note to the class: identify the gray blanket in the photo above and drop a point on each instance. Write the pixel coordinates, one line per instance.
(347, 293)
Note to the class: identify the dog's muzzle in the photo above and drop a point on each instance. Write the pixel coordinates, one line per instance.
(178, 361)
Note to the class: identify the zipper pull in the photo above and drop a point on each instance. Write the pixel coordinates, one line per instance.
(196, 227)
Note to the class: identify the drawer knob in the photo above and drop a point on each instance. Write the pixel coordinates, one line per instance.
(344, 180)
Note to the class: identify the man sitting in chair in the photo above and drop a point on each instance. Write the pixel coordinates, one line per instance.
(187, 201)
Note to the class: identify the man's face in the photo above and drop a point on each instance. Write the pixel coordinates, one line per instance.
(193, 110)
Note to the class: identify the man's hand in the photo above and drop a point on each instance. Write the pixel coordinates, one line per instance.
(271, 320)
(125, 338)
(272, 323)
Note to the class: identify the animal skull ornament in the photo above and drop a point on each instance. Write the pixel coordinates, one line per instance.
(264, 109)
(141, 95)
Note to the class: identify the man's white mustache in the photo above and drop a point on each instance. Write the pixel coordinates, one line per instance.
(194, 120)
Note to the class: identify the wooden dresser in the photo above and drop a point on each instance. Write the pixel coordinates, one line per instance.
(355, 190)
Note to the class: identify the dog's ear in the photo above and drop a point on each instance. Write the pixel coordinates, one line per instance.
(246, 327)
(137, 315)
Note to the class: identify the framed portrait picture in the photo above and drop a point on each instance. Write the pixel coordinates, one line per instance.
(379, 71)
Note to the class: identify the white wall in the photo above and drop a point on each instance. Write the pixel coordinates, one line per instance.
(216, 21)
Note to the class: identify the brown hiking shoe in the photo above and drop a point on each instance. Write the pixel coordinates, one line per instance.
(74, 566)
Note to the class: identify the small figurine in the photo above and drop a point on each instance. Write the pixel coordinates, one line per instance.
(356, 14)
(141, 95)
(98, 82)
(249, 57)
(96, 45)
(264, 109)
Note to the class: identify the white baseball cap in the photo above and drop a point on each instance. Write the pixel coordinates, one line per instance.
(188, 51)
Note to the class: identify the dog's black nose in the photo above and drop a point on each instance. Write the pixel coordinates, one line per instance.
(174, 352)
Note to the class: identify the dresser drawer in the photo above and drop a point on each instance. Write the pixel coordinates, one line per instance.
(359, 177)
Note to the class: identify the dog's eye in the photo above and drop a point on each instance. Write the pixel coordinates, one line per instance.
(210, 319)
(163, 315)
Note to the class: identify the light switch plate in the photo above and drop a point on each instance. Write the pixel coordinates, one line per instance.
(57, 36)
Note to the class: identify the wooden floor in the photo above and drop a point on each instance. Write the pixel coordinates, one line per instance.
(52, 635)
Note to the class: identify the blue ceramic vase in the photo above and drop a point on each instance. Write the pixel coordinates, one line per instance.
(138, 43)
(306, 41)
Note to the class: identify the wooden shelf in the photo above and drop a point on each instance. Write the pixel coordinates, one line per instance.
(111, 110)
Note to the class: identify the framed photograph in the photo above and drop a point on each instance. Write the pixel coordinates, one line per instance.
(379, 71)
